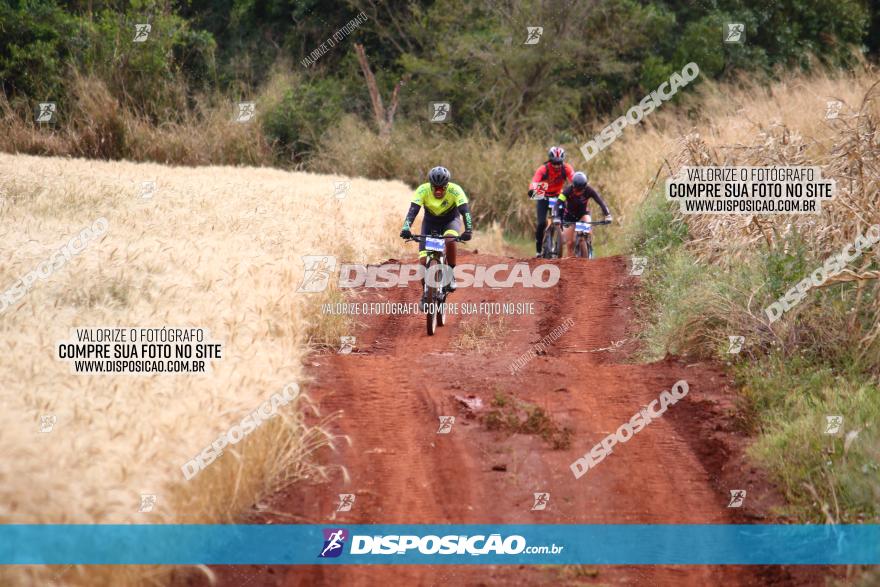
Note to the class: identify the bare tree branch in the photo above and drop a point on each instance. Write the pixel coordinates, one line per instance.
(375, 97)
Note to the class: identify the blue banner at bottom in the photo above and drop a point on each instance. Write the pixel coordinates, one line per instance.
(418, 544)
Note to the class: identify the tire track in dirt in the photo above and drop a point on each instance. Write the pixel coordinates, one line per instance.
(392, 390)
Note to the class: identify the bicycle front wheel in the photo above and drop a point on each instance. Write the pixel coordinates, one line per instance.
(550, 250)
(582, 249)
(433, 294)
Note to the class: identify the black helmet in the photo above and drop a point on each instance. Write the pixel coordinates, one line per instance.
(579, 180)
(556, 155)
(439, 176)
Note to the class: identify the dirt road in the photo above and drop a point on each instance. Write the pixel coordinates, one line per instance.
(392, 390)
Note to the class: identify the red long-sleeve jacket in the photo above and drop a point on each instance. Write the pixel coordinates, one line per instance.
(554, 177)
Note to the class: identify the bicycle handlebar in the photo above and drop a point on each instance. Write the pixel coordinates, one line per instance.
(598, 222)
(419, 237)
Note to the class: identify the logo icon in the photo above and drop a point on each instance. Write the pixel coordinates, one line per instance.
(832, 109)
(737, 497)
(47, 422)
(46, 112)
(638, 265)
(340, 189)
(541, 501)
(440, 112)
(734, 32)
(346, 500)
(446, 423)
(346, 345)
(246, 111)
(141, 32)
(736, 344)
(533, 35)
(334, 540)
(833, 424)
(148, 500)
(148, 188)
(317, 273)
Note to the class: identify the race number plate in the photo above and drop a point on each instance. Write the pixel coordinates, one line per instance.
(552, 202)
(582, 227)
(435, 244)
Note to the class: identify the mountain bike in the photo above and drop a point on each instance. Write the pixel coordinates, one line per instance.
(583, 237)
(551, 248)
(436, 280)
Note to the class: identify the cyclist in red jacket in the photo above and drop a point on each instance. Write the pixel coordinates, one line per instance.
(554, 172)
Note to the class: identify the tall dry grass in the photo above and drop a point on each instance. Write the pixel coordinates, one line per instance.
(749, 122)
(94, 123)
(784, 123)
(215, 247)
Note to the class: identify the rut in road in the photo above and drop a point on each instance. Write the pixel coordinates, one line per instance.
(391, 392)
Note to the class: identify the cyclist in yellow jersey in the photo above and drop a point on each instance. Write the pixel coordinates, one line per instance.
(445, 205)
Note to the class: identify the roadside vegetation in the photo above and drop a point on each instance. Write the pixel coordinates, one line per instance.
(173, 97)
(214, 247)
(710, 277)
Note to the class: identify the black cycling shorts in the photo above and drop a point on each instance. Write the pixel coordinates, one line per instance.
(439, 225)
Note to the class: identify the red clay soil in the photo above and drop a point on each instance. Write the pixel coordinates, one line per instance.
(391, 391)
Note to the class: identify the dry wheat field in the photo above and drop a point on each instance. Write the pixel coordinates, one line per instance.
(214, 247)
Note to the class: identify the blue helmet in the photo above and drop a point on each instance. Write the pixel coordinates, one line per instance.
(579, 180)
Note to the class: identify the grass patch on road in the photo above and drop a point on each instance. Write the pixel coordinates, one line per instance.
(515, 416)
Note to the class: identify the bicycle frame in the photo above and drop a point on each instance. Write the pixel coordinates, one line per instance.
(435, 296)
(583, 235)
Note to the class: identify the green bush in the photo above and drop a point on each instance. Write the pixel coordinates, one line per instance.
(296, 123)
(36, 39)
